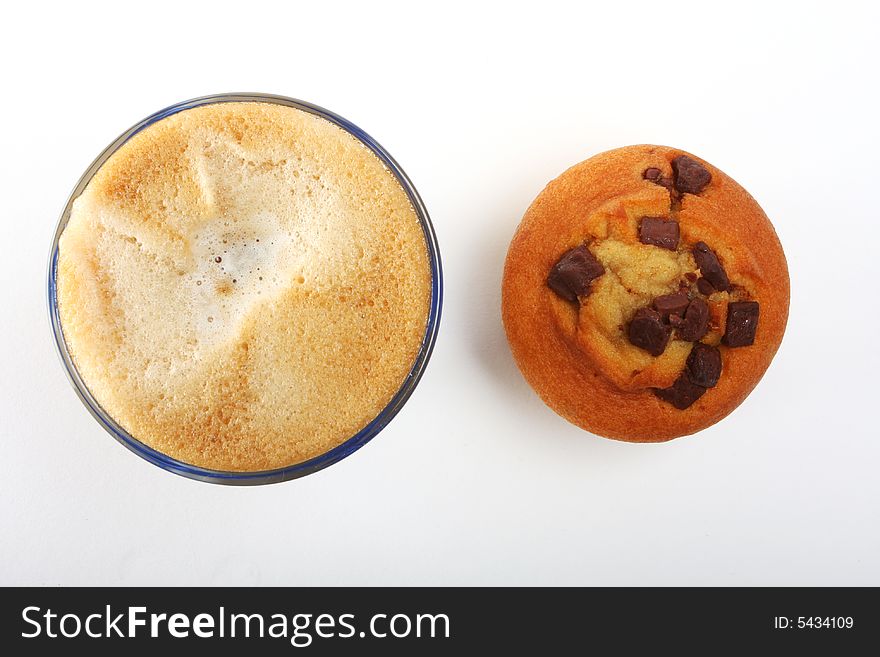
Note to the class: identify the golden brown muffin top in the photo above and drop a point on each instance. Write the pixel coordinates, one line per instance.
(619, 268)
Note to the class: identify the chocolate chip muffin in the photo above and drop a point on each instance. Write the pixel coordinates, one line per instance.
(645, 293)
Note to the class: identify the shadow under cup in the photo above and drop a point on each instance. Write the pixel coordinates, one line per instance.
(298, 469)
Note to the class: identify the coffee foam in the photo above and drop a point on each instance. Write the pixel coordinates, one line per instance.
(243, 285)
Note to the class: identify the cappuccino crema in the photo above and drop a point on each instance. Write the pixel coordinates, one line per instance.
(243, 285)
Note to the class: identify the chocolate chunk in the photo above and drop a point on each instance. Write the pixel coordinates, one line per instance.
(710, 266)
(705, 287)
(647, 331)
(671, 304)
(696, 321)
(572, 274)
(742, 322)
(656, 176)
(704, 365)
(691, 177)
(659, 232)
(682, 393)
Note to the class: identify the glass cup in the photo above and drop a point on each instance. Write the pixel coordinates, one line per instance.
(297, 469)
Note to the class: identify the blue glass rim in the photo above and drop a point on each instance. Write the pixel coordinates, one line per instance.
(295, 470)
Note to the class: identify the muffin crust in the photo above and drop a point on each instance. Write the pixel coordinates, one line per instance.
(584, 358)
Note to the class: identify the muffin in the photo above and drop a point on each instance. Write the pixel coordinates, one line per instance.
(644, 294)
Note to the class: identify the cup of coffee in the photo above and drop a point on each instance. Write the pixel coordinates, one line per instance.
(244, 288)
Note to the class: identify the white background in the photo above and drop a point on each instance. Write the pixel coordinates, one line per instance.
(476, 481)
